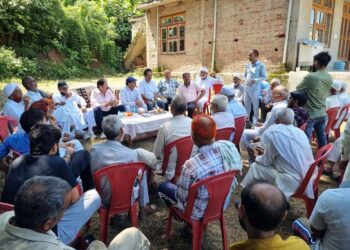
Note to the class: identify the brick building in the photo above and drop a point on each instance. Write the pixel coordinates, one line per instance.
(186, 34)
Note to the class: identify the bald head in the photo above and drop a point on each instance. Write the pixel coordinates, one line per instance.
(279, 93)
(265, 205)
(178, 105)
(203, 130)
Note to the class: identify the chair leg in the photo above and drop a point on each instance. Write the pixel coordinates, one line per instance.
(310, 204)
(133, 215)
(169, 224)
(223, 232)
(104, 216)
(337, 133)
(197, 235)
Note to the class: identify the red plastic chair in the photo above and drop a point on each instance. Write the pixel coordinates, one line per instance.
(224, 133)
(239, 124)
(217, 88)
(303, 126)
(218, 187)
(321, 158)
(342, 115)
(206, 105)
(7, 125)
(332, 114)
(183, 148)
(5, 207)
(121, 178)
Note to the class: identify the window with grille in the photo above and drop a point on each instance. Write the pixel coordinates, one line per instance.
(321, 20)
(172, 30)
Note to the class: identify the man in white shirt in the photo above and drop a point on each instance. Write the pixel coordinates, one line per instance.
(205, 82)
(234, 107)
(343, 94)
(238, 88)
(178, 127)
(16, 104)
(76, 107)
(33, 92)
(265, 97)
(222, 118)
(130, 96)
(286, 156)
(104, 102)
(333, 100)
(279, 100)
(149, 92)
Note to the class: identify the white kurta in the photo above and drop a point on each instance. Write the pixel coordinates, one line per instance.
(13, 109)
(224, 120)
(79, 119)
(285, 162)
(333, 101)
(34, 96)
(344, 100)
(206, 84)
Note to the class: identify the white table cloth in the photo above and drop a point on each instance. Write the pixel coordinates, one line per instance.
(138, 124)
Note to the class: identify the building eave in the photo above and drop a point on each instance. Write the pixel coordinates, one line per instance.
(155, 3)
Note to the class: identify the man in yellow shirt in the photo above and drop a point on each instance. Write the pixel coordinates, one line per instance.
(262, 208)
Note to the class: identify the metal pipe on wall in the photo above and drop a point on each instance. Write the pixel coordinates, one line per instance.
(214, 36)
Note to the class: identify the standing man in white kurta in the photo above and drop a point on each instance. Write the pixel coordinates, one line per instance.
(255, 73)
(205, 82)
(76, 106)
(286, 158)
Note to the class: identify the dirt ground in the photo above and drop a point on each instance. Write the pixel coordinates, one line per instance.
(153, 226)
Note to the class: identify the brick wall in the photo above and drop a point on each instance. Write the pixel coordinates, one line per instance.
(241, 26)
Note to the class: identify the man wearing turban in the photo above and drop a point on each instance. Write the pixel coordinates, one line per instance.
(16, 104)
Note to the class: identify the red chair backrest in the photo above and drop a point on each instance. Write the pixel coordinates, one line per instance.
(6, 124)
(224, 133)
(303, 126)
(183, 148)
(218, 187)
(332, 114)
(342, 114)
(121, 178)
(239, 124)
(4, 207)
(217, 88)
(320, 161)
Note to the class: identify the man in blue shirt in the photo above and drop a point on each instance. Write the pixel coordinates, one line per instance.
(19, 142)
(255, 73)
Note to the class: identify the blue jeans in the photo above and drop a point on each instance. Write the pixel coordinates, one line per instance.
(99, 113)
(319, 125)
(191, 106)
(167, 192)
(161, 104)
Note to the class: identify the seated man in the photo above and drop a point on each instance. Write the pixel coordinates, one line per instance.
(43, 160)
(265, 102)
(41, 203)
(222, 118)
(238, 88)
(329, 219)
(179, 126)
(333, 101)
(167, 87)
(192, 92)
(279, 100)
(130, 96)
(263, 207)
(33, 92)
(234, 107)
(213, 158)
(80, 116)
(344, 99)
(16, 104)
(285, 159)
(113, 152)
(206, 82)
(104, 102)
(149, 92)
(19, 142)
(297, 101)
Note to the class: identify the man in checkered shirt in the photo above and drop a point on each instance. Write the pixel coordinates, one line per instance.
(168, 86)
(213, 158)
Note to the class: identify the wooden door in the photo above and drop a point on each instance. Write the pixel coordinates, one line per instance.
(344, 44)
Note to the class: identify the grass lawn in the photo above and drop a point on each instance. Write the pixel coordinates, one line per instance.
(153, 226)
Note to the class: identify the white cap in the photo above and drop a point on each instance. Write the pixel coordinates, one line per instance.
(237, 74)
(9, 89)
(203, 69)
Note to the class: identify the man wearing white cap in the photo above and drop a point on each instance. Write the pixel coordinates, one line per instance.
(234, 107)
(205, 82)
(333, 100)
(238, 88)
(15, 105)
(255, 72)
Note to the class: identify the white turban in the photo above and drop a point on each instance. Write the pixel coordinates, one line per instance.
(336, 85)
(203, 69)
(10, 88)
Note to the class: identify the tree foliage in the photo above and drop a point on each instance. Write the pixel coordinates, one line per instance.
(87, 36)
